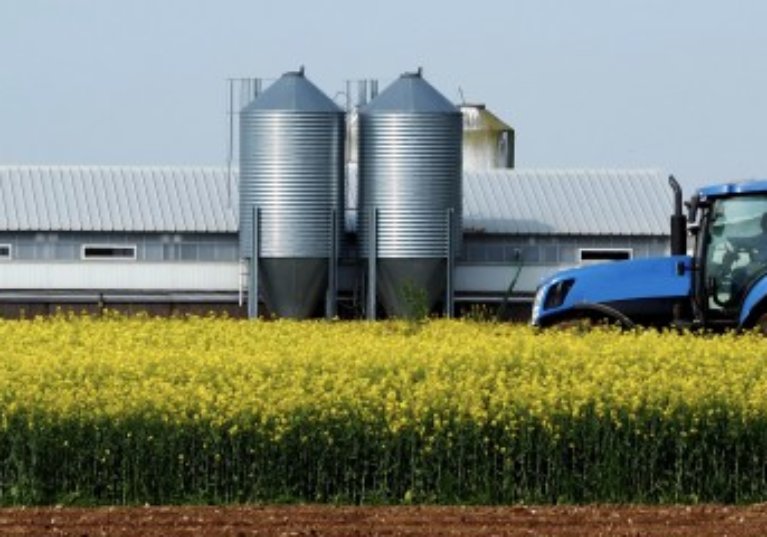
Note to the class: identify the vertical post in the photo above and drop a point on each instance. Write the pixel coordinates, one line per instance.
(256, 88)
(254, 256)
(362, 93)
(450, 256)
(240, 282)
(230, 145)
(332, 294)
(372, 262)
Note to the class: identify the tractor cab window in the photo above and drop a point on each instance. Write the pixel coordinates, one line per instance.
(736, 249)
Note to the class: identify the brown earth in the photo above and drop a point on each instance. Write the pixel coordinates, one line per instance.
(300, 521)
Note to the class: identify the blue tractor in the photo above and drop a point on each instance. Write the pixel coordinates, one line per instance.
(723, 284)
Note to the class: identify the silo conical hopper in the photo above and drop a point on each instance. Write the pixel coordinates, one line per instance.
(291, 169)
(410, 172)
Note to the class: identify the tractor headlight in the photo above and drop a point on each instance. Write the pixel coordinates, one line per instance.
(550, 296)
(557, 294)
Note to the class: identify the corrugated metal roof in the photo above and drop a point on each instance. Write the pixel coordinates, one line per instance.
(567, 202)
(187, 199)
(111, 198)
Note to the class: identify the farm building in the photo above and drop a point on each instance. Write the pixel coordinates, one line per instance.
(166, 239)
(90, 236)
(400, 197)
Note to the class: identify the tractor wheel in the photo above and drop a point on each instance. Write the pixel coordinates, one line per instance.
(583, 323)
(760, 322)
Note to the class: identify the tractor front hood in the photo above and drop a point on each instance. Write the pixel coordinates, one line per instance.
(607, 283)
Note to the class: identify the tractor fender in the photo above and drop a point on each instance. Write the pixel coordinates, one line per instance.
(755, 297)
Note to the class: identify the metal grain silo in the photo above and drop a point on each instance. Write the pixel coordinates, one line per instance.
(410, 177)
(291, 175)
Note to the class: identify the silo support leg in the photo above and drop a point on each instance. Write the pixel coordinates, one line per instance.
(449, 291)
(331, 301)
(372, 261)
(253, 272)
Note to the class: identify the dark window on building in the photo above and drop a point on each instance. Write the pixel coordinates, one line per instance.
(550, 254)
(206, 252)
(494, 253)
(153, 251)
(512, 253)
(567, 254)
(189, 252)
(227, 252)
(65, 251)
(5, 251)
(605, 254)
(531, 254)
(107, 251)
(475, 252)
(170, 252)
(25, 251)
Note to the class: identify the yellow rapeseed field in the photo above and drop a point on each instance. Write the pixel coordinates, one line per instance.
(210, 409)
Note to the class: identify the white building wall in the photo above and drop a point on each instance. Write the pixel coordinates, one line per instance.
(495, 279)
(122, 275)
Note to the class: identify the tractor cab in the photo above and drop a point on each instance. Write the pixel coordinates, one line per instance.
(729, 223)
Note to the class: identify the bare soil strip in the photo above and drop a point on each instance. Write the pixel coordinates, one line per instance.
(298, 521)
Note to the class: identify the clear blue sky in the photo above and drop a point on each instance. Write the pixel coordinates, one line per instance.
(675, 84)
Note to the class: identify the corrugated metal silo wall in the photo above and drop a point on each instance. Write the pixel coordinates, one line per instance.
(292, 167)
(410, 170)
